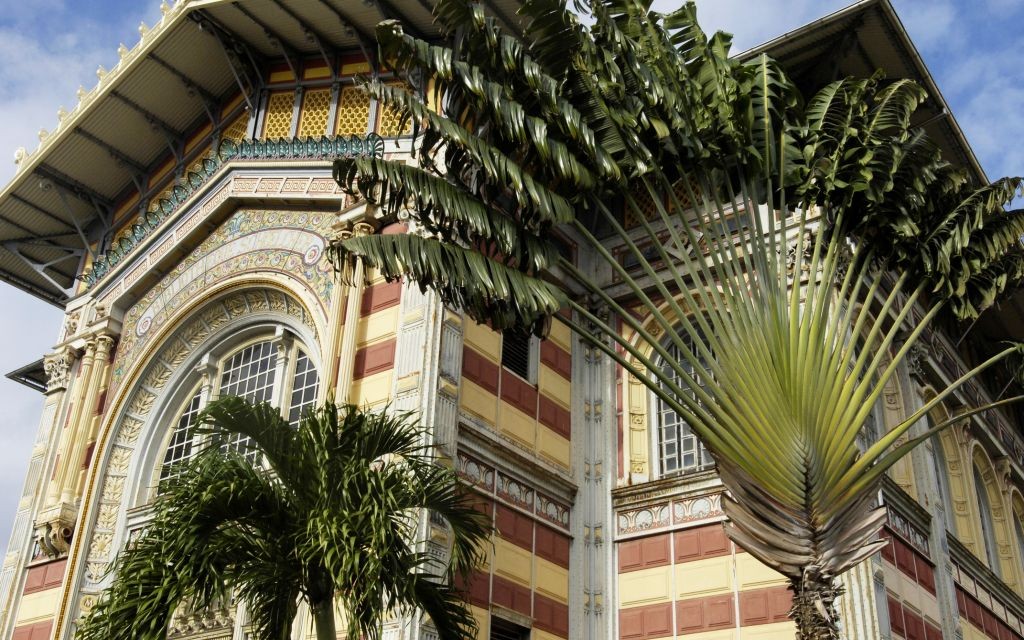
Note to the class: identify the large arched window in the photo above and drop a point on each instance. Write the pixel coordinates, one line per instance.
(272, 369)
(942, 479)
(678, 448)
(988, 529)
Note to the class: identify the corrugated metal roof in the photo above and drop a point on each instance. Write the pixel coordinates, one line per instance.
(857, 41)
(128, 121)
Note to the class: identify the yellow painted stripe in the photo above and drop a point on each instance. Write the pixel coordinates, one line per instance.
(707, 577)
(647, 586)
(485, 341)
(378, 326)
(478, 401)
(552, 384)
(773, 631)
(752, 574)
(516, 424)
(552, 580)
(512, 562)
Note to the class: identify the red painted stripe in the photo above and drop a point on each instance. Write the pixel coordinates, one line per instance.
(374, 359)
(45, 576)
(510, 595)
(550, 615)
(555, 417)
(649, 621)
(480, 370)
(557, 358)
(514, 527)
(518, 393)
(379, 297)
(645, 553)
(697, 543)
(34, 631)
(552, 545)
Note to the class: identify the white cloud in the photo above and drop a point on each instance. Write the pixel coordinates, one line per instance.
(42, 71)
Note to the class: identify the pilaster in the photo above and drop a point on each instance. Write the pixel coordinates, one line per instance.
(592, 598)
(344, 327)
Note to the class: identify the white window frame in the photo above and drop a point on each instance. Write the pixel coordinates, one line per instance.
(207, 379)
(656, 414)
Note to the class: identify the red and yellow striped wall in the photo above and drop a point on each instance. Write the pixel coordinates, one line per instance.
(696, 582)
(535, 418)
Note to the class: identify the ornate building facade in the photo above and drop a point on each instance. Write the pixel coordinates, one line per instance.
(180, 214)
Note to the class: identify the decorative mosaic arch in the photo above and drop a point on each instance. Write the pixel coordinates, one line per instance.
(291, 243)
(124, 436)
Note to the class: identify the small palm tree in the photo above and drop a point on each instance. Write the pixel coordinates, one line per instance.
(330, 518)
(773, 234)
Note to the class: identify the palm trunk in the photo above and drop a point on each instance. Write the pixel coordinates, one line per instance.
(814, 607)
(323, 620)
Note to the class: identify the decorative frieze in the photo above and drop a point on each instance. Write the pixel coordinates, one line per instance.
(195, 182)
(512, 491)
(283, 241)
(657, 516)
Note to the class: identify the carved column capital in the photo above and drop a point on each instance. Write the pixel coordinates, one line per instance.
(57, 366)
(104, 346)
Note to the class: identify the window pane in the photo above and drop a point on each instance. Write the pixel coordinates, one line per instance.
(679, 448)
(179, 449)
(305, 385)
(250, 375)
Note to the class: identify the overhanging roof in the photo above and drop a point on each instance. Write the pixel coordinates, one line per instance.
(857, 41)
(200, 55)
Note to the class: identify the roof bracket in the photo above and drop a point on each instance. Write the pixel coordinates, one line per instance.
(249, 80)
(363, 39)
(292, 57)
(41, 267)
(312, 35)
(170, 134)
(192, 88)
(121, 157)
(104, 208)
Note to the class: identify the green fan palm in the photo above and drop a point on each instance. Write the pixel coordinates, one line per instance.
(773, 233)
(329, 519)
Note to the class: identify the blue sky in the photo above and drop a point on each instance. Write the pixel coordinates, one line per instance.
(974, 48)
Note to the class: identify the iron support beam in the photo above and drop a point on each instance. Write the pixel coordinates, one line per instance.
(504, 18)
(98, 201)
(32, 288)
(115, 153)
(41, 267)
(389, 12)
(190, 84)
(277, 40)
(234, 55)
(41, 211)
(172, 136)
(314, 36)
(363, 39)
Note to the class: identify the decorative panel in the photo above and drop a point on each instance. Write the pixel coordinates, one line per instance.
(353, 112)
(389, 120)
(236, 130)
(278, 120)
(316, 106)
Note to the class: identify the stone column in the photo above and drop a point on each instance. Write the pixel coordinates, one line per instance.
(353, 301)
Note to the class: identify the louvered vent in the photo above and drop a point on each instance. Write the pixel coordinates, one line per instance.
(504, 630)
(515, 353)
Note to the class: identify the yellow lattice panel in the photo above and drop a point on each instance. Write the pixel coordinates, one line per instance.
(316, 106)
(278, 121)
(236, 130)
(353, 112)
(389, 120)
(646, 205)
